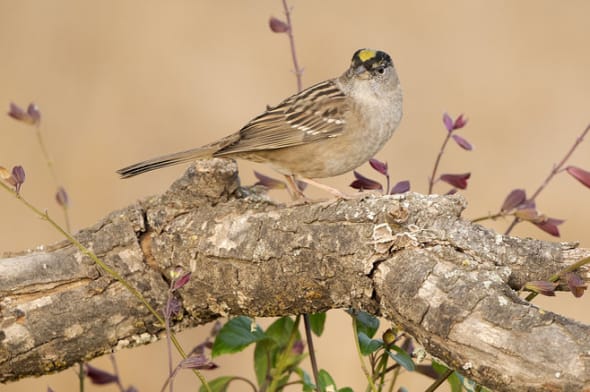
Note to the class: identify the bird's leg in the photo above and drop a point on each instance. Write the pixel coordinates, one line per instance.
(297, 193)
(333, 191)
(294, 191)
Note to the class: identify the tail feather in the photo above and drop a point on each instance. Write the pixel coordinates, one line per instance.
(166, 160)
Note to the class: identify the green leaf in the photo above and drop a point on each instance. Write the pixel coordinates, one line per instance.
(402, 357)
(345, 389)
(317, 322)
(308, 385)
(280, 331)
(265, 352)
(365, 322)
(326, 381)
(219, 384)
(368, 345)
(236, 335)
(455, 380)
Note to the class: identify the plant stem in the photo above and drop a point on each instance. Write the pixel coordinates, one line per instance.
(394, 378)
(312, 356)
(81, 376)
(167, 315)
(358, 350)
(491, 216)
(49, 162)
(116, 371)
(283, 360)
(381, 366)
(439, 381)
(298, 71)
(437, 162)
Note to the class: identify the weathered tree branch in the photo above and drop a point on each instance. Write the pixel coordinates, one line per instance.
(410, 259)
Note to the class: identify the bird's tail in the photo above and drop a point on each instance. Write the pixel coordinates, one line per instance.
(166, 160)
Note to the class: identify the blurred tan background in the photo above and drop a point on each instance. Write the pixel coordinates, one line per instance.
(121, 81)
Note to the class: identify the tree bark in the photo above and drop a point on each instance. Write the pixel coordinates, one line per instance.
(409, 258)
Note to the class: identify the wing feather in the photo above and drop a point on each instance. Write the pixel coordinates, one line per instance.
(313, 114)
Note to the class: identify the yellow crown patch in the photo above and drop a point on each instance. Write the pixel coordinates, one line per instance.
(366, 54)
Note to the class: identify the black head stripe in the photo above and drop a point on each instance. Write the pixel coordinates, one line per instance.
(370, 59)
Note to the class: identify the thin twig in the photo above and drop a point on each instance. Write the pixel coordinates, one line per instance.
(312, 356)
(298, 71)
(437, 162)
(167, 315)
(489, 216)
(81, 376)
(116, 371)
(554, 171)
(439, 381)
(298, 75)
(49, 162)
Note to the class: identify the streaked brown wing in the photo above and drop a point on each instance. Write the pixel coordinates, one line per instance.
(313, 114)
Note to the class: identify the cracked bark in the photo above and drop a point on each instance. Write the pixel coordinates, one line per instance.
(411, 259)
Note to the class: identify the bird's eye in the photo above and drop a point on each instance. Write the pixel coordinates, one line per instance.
(380, 70)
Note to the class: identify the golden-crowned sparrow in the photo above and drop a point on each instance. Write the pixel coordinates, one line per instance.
(326, 130)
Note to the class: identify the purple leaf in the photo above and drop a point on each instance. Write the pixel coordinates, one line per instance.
(100, 377)
(460, 122)
(301, 185)
(576, 284)
(197, 362)
(579, 174)
(400, 187)
(17, 113)
(448, 121)
(34, 113)
(173, 307)
(18, 177)
(549, 226)
(381, 167)
(180, 282)
(364, 183)
(514, 199)
(408, 345)
(542, 287)
(61, 197)
(456, 180)
(269, 182)
(31, 116)
(462, 142)
(277, 26)
(298, 347)
(451, 125)
(452, 191)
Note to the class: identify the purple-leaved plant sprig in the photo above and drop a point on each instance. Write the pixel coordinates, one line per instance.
(457, 181)
(32, 116)
(196, 359)
(12, 182)
(102, 377)
(365, 183)
(524, 209)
